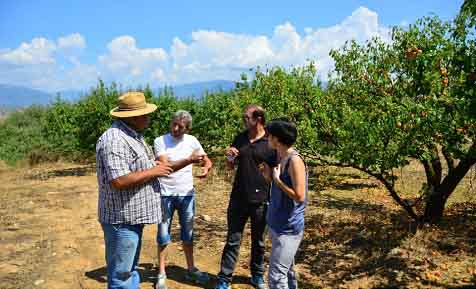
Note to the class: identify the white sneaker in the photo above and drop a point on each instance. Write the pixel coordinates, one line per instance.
(161, 281)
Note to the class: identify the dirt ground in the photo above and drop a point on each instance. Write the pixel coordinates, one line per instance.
(356, 237)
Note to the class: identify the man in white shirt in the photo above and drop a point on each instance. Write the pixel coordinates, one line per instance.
(180, 150)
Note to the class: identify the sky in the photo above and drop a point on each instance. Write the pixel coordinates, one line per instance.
(57, 45)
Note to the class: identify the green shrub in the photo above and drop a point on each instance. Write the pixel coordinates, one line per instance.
(22, 132)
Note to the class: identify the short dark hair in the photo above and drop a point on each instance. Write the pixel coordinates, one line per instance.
(284, 130)
(258, 111)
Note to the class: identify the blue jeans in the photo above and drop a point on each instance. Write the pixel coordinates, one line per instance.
(185, 207)
(123, 243)
(281, 261)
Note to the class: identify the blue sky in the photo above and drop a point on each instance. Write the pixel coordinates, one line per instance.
(58, 45)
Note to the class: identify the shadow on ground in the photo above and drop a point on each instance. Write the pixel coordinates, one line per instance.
(148, 273)
(68, 172)
(146, 270)
(346, 248)
(370, 243)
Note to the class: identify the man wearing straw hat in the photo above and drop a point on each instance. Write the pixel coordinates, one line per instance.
(129, 190)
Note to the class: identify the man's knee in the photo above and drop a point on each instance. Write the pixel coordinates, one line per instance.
(186, 231)
(163, 234)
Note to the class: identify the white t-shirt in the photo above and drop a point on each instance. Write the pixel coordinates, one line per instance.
(179, 183)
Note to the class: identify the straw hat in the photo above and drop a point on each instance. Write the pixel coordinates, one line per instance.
(132, 104)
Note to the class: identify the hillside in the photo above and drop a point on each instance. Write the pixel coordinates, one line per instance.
(197, 89)
(12, 96)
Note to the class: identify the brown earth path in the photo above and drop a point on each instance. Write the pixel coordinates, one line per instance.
(53, 240)
(356, 237)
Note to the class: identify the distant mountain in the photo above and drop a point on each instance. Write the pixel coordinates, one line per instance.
(4, 112)
(12, 96)
(198, 89)
(72, 95)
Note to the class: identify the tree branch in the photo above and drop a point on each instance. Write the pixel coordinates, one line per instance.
(391, 189)
(433, 169)
(450, 161)
(450, 182)
(379, 176)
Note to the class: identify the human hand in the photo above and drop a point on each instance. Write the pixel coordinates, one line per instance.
(196, 157)
(265, 170)
(276, 172)
(231, 153)
(261, 168)
(162, 168)
(204, 173)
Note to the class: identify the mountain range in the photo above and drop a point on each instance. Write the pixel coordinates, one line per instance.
(14, 97)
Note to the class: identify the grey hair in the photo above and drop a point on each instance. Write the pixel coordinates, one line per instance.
(185, 115)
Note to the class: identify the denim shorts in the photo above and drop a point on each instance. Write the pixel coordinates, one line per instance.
(185, 207)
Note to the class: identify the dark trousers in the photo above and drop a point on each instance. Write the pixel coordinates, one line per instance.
(238, 214)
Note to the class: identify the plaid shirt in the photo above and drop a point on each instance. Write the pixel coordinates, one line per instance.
(120, 151)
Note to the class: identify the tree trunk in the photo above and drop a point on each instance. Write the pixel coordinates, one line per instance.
(436, 201)
(435, 206)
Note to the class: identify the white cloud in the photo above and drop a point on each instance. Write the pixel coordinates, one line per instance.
(158, 75)
(208, 55)
(80, 76)
(40, 64)
(71, 47)
(212, 49)
(124, 57)
(178, 49)
(38, 51)
(75, 40)
(227, 54)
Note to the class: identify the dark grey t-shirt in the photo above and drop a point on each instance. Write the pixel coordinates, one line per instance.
(249, 185)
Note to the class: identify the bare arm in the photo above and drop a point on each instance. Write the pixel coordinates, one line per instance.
(207, 165)
(180, 164)
(193, 158)
(137, 178)
(297, 171)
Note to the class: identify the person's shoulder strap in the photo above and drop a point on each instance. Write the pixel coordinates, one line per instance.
(291, 155)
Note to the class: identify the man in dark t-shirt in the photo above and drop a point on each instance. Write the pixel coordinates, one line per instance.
(249, 197)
